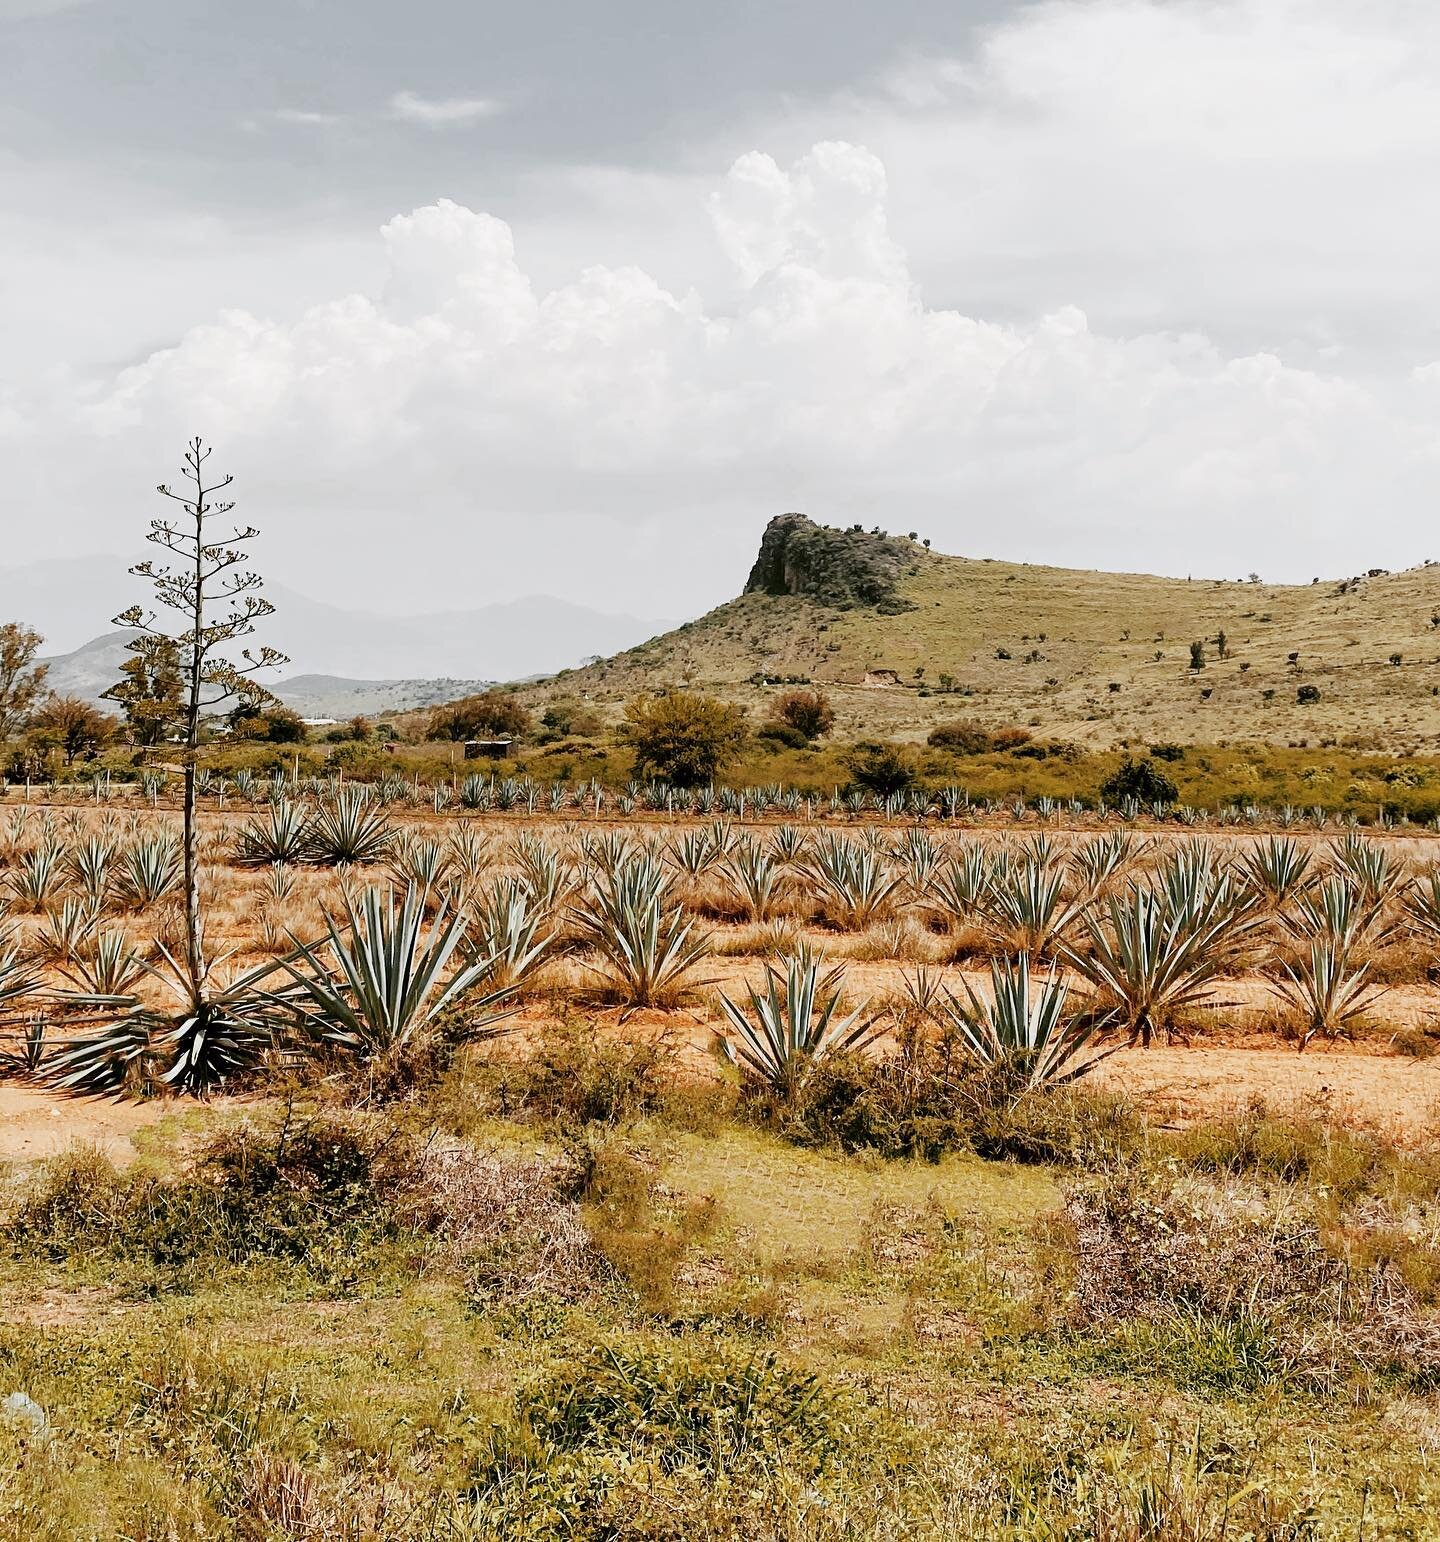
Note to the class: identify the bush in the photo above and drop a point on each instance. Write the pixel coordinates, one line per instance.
(783, 735)
(1307, 695)
(491, 715)
(808, 713)
(880, 768)
(314, 1192)
(963, 738)
(682, 737)
(1142, 780)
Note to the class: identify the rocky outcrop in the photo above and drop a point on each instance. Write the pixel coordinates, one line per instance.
(843, 568)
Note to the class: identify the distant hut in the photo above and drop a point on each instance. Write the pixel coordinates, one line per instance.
(488, 749)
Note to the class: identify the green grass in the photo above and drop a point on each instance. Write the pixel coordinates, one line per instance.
(785, 1343)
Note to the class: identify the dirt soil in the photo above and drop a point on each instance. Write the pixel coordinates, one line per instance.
(1180, 1084)
(35, 1123)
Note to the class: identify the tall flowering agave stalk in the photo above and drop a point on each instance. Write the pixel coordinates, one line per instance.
(792, 1025)
(1022, 1033)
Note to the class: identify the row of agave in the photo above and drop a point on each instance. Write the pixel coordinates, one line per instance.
(522, 794)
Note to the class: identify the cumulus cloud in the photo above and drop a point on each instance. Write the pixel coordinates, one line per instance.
(442, 112)
(463, 434)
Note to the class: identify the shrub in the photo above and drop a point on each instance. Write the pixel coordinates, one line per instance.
(962, 738)
(782, 734)
(880, 768)
(1142, 780)
(682, 737)
(1307, 695)
(491, 715)
(809, 713)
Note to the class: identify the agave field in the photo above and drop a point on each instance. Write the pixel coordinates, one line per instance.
(543, 1162)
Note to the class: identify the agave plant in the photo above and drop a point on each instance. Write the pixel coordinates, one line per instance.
(277, 835)
(469, 854)
(25, 1054)
(754, 879)
(962, 883)
(792, 1027)
(149, 870)
(1337, 910)
(1372, 867)
(18, 977)
(1154, 958)
(1099, 862)
(920, 859)
(65, 932)
(418, 862)
(852, 880)
(37, 876)
(548, 878)
(647, 943)
(1328, 992)
(381, 978)
(508, 933)
(223, 1026)
(92, 864)
(1277, 869)
(1422, 905)
(109, 965)
(694, 852)
(1026, 910)
(789, 845)
(348, 828)
(1022, 1033)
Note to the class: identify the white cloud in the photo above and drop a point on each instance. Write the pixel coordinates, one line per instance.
(442, 112)
(1166, 298)
(305, 117)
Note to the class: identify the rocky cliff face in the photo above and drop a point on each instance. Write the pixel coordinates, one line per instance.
(843, 568)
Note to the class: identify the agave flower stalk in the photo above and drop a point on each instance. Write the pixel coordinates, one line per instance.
(793, 1025)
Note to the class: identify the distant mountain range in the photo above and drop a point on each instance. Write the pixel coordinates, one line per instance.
(70, 600)
(95, 666)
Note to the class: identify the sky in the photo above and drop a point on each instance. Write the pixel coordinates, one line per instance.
(482, 301)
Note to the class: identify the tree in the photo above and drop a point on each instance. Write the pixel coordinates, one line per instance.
(682, 737)
(808, 712)
(1142, 780)
(880, 768)
(150, 692)
(73, 726)
(1222, 644)
(276, 725)
(22, 680)
(1197, 654)
(493, 715)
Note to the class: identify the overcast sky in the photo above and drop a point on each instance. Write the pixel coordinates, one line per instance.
(480, 301)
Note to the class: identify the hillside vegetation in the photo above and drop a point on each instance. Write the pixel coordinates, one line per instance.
(904, 638)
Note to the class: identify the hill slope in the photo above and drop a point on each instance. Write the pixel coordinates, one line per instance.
(904, 638)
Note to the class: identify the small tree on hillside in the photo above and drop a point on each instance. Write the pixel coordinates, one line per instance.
(1142, 780)
(808, 712)
(1197, 654)
(493, 715)
(22, 680)
(883, 769)
(683, 737)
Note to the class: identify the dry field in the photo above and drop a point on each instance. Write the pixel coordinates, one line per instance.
(585, 1279)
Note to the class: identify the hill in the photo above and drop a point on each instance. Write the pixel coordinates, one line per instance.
(93, 668)
(904, 638)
